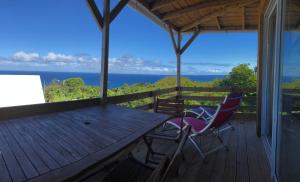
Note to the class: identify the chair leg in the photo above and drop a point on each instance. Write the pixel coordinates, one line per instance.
(150, 151)
(227, 127)
(196, 145)
(204, 154)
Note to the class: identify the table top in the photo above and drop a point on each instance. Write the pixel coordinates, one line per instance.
(60, 145)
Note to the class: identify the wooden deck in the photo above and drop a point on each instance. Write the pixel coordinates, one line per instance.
(54, 147)
(245, 161)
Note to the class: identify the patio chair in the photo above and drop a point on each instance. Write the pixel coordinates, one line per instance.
(214, 126)
(233, 99)
(132, 170)
(171, 130)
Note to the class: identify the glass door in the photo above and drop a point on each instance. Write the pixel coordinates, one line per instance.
(269, 72)
(288, 131)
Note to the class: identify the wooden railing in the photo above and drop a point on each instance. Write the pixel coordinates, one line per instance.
(193, 97)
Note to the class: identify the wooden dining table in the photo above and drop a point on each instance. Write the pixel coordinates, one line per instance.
(61, 145)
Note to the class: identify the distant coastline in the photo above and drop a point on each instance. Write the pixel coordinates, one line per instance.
(115, 80)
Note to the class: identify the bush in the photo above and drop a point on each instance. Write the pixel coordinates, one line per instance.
(241, 76)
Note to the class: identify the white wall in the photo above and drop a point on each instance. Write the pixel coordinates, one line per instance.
(20, 90)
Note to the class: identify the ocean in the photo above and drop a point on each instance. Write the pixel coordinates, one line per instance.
(114, 80)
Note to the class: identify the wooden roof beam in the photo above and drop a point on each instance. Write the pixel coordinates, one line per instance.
(215, 13)
(244, 17)
(197, 7)
(117, 9)
(218, 23)
(189, 42)
(149, 14)
(158, 4)
(173, 39)
(113, 14)
(96, 13)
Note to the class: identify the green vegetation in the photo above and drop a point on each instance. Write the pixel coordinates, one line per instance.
(70, 89)
(293, 85)
(241, 76)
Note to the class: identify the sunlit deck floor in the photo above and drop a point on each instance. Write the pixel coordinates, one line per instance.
(245, 161)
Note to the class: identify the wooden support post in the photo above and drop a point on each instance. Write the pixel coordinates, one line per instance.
(178, 60)
(104, 23)
(96, 13)
(179, 51)
(259, 72)
(105, 50)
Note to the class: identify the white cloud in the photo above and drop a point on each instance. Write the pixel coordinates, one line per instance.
(23, 56)
(124, 64)
(214, 70)
(58, 57)
(136, 65)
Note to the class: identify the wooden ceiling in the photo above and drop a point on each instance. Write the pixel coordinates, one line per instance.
(206, 15)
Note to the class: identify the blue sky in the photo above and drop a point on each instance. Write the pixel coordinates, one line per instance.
(61, 35)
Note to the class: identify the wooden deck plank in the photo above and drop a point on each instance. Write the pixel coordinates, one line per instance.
(12, 164)
(105, 128)
(53, 141)
(41, 152)
(218, 170)
(56, 154)
(57, 136)
(34, 158)
(83, 143)
(119, 119)
(4, 174)
(19, 154)
(242, 161)
(70, 146)
(57, 146)
(257, 160)
(230, 167)
(69, 142)
(245, 148)
(83, 130)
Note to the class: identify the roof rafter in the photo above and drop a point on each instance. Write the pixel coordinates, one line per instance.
(117, 9)
(176, 48)
(189, 42)
(219, 12)
(244, 17)
(197, 7)
(158, 4)
(96, 13)
(218, 23)
(112, 15)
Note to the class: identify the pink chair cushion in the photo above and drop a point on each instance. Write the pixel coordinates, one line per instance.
(196, 124)
(176, 122)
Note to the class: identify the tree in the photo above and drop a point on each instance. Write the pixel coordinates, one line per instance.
(241, 76)
(73, 82)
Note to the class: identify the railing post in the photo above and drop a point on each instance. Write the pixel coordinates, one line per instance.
(178, 61)
(105, 50)
(154, 97)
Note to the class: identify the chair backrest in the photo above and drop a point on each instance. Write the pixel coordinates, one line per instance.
(233, 96)
(173, 107)
(226, 110)
(169, 165)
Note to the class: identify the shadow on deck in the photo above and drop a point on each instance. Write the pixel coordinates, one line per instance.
(245, 161)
